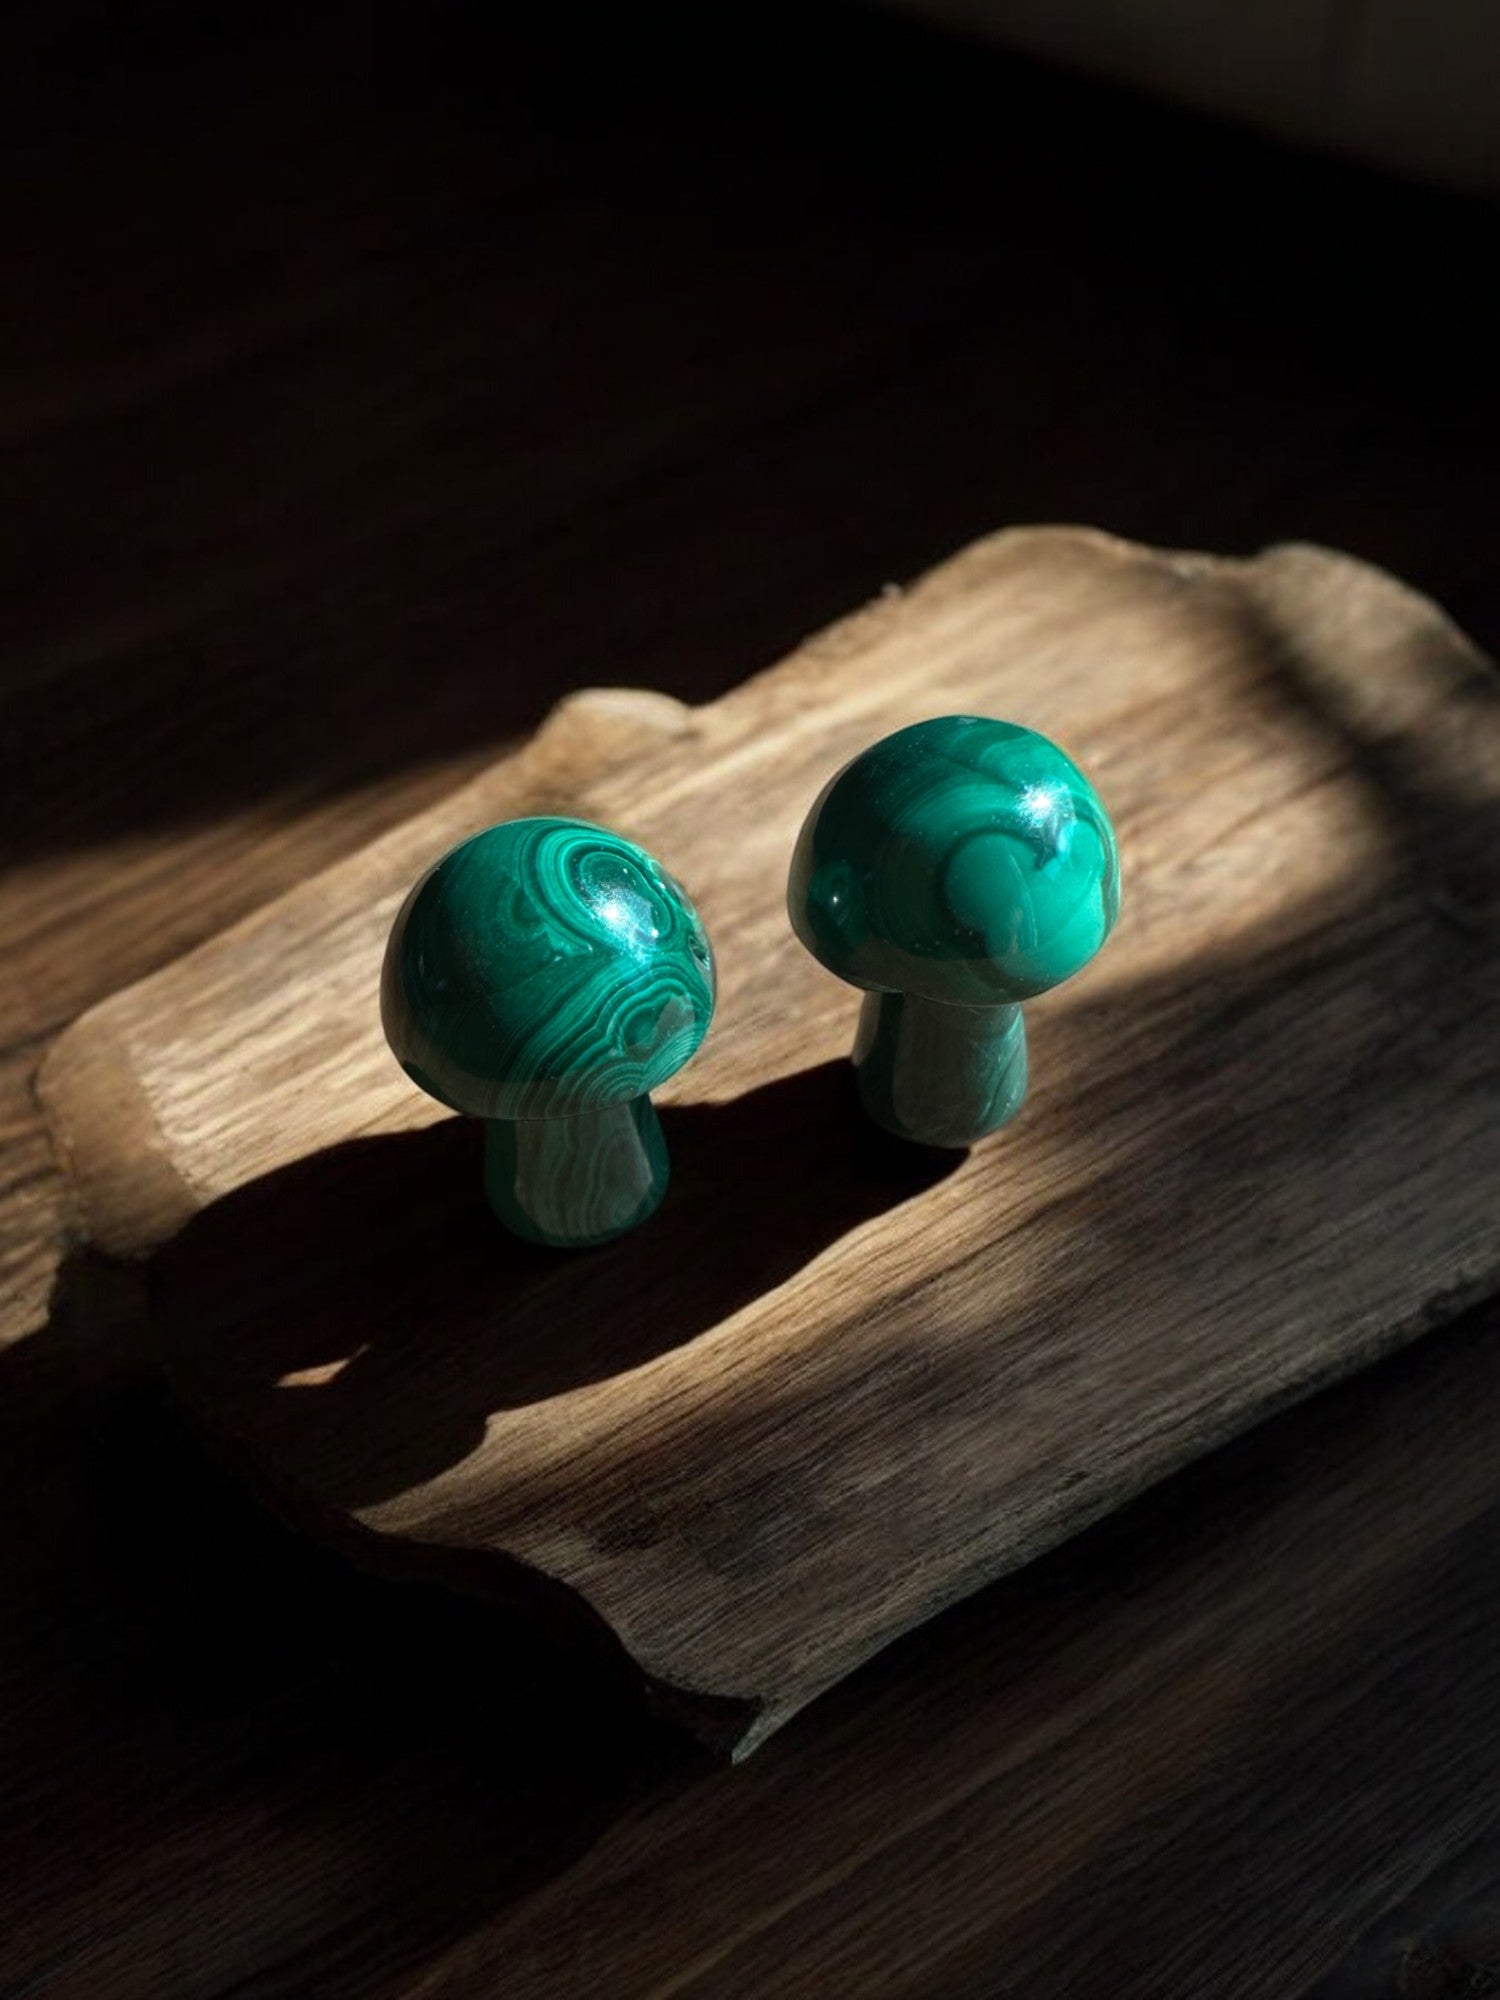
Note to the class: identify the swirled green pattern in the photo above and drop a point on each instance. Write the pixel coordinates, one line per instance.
(961, 860)
(953, 870)
(544, 969)
(570, 1183)
(942, 1075)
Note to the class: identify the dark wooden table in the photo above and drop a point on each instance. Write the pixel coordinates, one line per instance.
(371, 381)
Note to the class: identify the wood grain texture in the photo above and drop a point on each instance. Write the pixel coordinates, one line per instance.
(301, 546)
(834, 1387)
(270, 472)
(1192, 1753)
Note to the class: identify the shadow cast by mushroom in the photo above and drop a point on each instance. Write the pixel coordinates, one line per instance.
(355, 1322)
(363, 1314)
(242, 1659)
(176, 1665)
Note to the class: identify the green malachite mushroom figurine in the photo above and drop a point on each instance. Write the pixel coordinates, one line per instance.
(953, 870)
(546, 976)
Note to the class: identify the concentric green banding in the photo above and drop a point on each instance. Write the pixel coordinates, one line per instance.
(543, 969)
(963, 860)
(571, 1183)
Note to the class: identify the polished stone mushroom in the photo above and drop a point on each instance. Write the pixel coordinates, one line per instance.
(953, 870)
(546, 976)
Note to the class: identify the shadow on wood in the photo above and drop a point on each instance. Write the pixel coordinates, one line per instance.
(456, 1760)
(1171, 1722)
(1186, 1753)
(295, 1736)
(365, 1311)
(825, 1393)
(352, 1324)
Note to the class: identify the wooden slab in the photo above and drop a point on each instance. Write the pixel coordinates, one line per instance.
(836, 1384)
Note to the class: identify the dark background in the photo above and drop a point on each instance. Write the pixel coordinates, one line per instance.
(374, 376)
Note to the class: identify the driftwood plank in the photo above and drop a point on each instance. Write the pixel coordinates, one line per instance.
(834, 1387)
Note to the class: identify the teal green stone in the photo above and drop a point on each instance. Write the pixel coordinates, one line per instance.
(942, 1075)
(571, 1183)
(953, 870)
(544, 968)
(546, 976)
(964, 860)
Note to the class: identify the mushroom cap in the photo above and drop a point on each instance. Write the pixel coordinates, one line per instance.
(545, 968)
(961, 860)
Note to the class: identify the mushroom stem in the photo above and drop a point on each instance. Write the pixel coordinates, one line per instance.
(942, 1075)
(573, 1182)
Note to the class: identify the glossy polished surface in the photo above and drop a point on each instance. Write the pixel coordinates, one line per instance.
(570, 1183)
(944, 1076)
(953, 870)
(964, 860)
(545, 968)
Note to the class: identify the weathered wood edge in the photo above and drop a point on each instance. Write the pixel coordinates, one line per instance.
(587, 736)
(726, 1726)
(127, 1193)
(593, 730)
